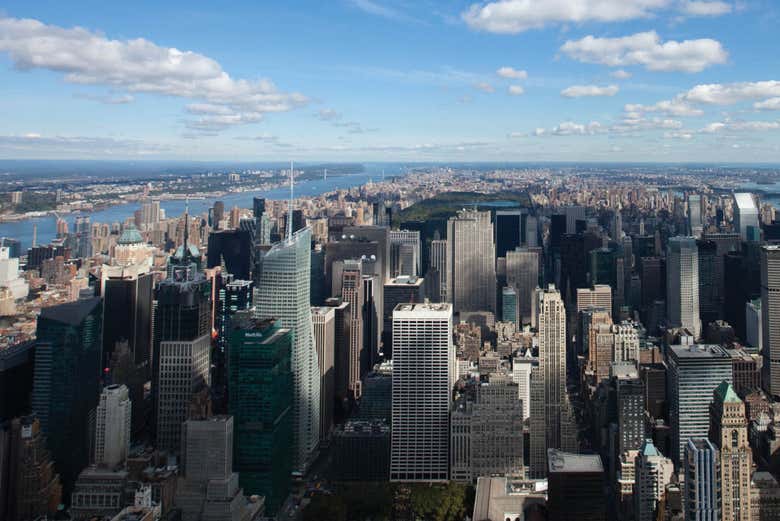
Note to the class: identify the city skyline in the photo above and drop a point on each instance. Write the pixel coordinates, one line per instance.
(358, 80)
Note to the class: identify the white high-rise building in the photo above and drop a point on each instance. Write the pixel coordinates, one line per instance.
(770, 316)
(423, 376)
(522, 273)
(521, 375)
(438, 261)
(471, 267)
(9, 275)
(695, 221)
(653, 473)
(112, 426)
(682, 284)
(550, 407)
(599, 296)
(283, 293)
(745, 214)
(405, 253)
(184, 369)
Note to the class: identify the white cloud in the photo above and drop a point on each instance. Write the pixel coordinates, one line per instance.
(515, 16)
(740, 126)
(620, 74)
(107, 99)
(579, 91)
(140, 66)
(679, 134)
(770, 104)
(701, 8)
(570, 128)
(484, 87)
(632, 123)
(511, 73)
(647, 50)
(675, 107)
(515, 90)
(328, 115)
(374, 8)
(81, 146)
(731, 93)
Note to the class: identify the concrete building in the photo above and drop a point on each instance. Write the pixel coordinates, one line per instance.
(522, 273)
(438, 264)
(575, 487)
(502, 498)
(471, 268)
(324, 322)
(405, 253)
(764, 497)
(522, 367)
(112, 426)
(770, 317)
(599, 296)
(653, 473)
(745, 214)
(423, 375)
(682, 285)
(694, 373)
(753, 328)
(630, 406)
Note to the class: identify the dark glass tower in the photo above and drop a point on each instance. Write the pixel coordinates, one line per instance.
(261, 400)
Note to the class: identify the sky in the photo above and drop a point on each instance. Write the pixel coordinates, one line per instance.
(391, 80)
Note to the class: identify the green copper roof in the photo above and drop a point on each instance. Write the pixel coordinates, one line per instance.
(648, 449)
(725, 393)
(130, 235)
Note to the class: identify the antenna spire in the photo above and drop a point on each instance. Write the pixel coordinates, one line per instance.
(185, 248)
(290, 210)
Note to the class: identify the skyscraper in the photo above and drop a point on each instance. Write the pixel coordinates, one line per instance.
(324, 319)
(423, 375)
(694, 372)
(405, 253)
(630, 406)
(729, 432)
(745, 214)
(260, 387)
(66, 383)
(283, 293)
(770, 316)
(471, 268)
(701, 486)
(548, 390)
(112, 426)
(653, 473)
(509, 304)
(438, 262)
(575, 486)
(522, 273)
(682, 284)
(352, 292)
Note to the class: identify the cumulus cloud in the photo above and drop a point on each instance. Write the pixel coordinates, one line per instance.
(731, 93)
(679, 134)
(515, 16)
(328, 115)
(647, 49)
(631, 123)
(515, 90)
(511, 73)
(770, 104)
(580, 91)
(140, 66)
(740, 126)
(701, 8)
(676, 107)
(107, 99)
(620, 74)
(484, 87)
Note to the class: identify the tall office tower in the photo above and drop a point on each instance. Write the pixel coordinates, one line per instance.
(710, 301)
(531, 231)
(218, 214)
(487, 432)
(233, 248)
(150, 213)
(401, 290)
(127, 318)
(283, 293)
(745, 214)
(549, 390)
(616, 228)
(653, 473)
(599, 296)
(694, 372)
(576, 487)
(260, 387)
(509, 231)
(626, 341)
(765, 496)
(630, 406)
(342, 312)
(574, 214)
(352, 292)
(471, 264)
(701, 486)
(601, 346)
(423, 375)
(29, 486)
(522, 273)
(509, 304)
(770, 317)
(324, 320)
(66, 382)
(521, 375)
(83, 237)
(438, 262)
(729, 432)
(753, 327)
(182, 344)
(695, 221)
(682, 284)
(262, 222)
(233, 295)
(209, 490)
(112, 426)
(405, 253)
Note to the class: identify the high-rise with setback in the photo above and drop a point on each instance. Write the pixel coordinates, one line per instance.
(682, 284)
(770, 316)
(471, 268)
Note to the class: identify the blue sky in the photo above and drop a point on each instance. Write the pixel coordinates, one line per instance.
(352, 80)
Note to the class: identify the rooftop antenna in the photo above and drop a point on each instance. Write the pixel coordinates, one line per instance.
(184, 249)
(290, 210)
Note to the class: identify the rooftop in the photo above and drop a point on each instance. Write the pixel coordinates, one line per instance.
(559, 461)
(130, 235)
(72, 313)
(699, 351)
(725, 393)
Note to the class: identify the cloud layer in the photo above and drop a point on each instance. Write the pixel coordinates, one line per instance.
(580, 91)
